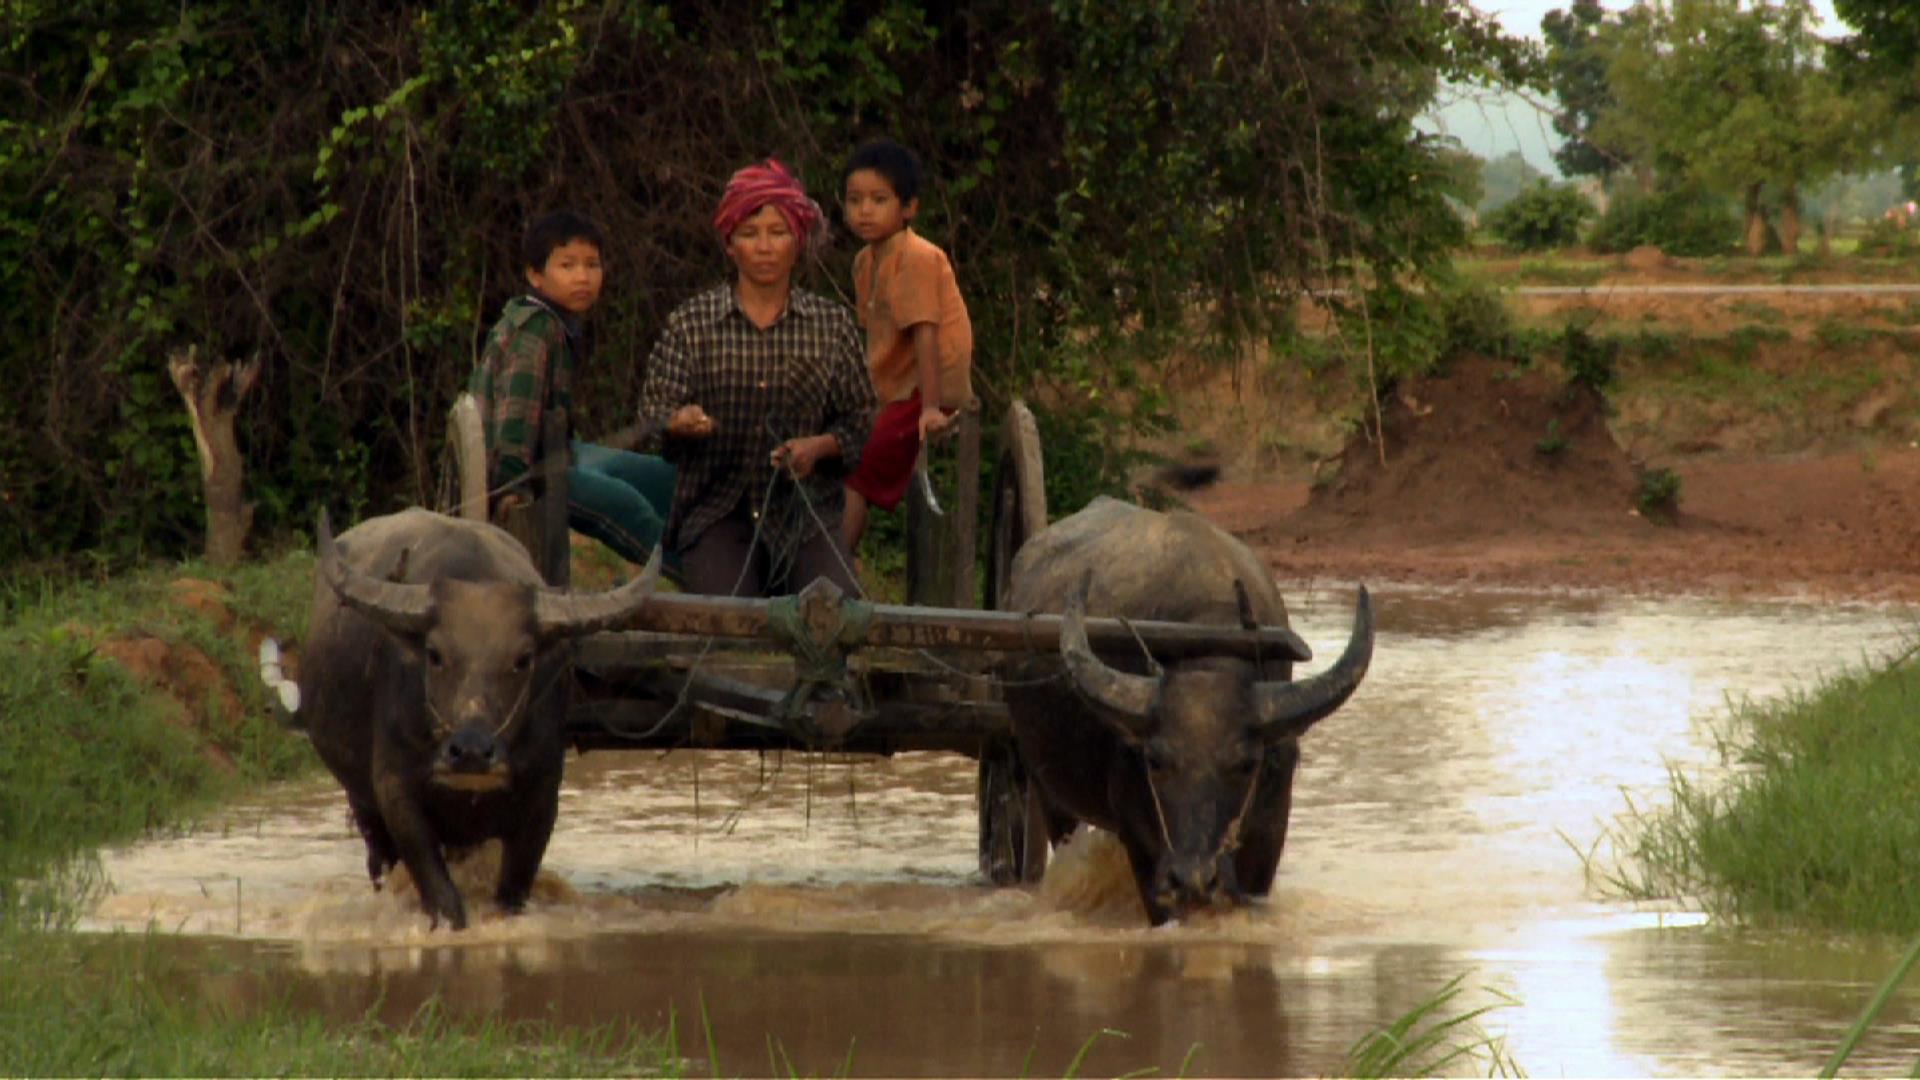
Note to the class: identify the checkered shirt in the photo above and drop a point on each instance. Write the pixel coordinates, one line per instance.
(804, 375)
(525, 369)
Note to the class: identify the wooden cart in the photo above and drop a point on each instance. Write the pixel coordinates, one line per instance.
(824, 671)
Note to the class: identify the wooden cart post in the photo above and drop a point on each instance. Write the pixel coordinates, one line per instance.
(540, 524)
(942, 541)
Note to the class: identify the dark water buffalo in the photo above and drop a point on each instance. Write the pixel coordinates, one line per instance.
(1190, 766)
(434, 686)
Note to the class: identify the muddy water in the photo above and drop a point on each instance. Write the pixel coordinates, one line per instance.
(823, 911)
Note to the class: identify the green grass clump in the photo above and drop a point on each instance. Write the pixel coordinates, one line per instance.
(1814, 827)
(1433, 1037)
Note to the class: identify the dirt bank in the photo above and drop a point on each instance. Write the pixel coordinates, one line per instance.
(1495, 477)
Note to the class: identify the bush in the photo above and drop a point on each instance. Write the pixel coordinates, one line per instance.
(1658, 495)
(1887, 238)
(1543, 216)
(1589, 360)
(1680, 222)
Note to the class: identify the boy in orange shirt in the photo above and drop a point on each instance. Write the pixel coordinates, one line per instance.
(919, 339)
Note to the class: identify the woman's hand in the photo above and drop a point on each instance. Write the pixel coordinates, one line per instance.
(690, 422)
(799, 456)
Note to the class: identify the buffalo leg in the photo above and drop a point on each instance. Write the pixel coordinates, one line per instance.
(419, 848)
(1145, 863)
(380, 851)
(1263, 835)
(521, 852)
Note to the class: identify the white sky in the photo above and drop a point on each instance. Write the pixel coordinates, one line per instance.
(1493, 124)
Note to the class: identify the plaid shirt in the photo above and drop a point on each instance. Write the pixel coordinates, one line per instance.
(804, 375)
(525, 369)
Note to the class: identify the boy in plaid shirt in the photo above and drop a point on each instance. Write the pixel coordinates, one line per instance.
(527, 368)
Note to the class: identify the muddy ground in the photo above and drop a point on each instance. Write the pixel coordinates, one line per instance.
(1799, 473)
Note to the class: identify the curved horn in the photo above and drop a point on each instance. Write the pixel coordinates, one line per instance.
(1290, 708)
(559, 614)
(402, 607)
(1128, 700)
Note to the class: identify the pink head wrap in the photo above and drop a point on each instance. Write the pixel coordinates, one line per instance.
(767, 184)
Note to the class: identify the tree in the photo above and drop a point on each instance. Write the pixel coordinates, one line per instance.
(1578, 41)
(1883, 54)
(1505, 177)
(1735, 97)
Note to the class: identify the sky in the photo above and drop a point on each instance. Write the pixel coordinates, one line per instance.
(1491, 124)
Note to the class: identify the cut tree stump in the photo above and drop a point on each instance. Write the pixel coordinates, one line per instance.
(213, 393)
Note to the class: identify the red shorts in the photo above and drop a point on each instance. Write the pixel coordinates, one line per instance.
(886, 465)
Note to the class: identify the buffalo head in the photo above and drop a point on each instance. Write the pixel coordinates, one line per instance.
(1204, 731)
(485, 648)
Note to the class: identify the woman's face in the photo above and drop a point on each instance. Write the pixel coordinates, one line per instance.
(764, 248)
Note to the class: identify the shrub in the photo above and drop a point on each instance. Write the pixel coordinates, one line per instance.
(1543, 216)
(1589, 360)
(1680, 221)
(1658, 495)
(1887, 238)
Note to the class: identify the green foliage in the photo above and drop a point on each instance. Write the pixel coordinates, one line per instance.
(1579, 38)
(1735, 98)
(1591, 361)
(1887, 238)
(1503, 178)
(1554, 442)
(1809, 829)
(1475, 319)
(1680, 221)
(1433, 1039)
(1541, 217)
(1657, 494)
(340, 191)
(88, 754)
(1835, 332)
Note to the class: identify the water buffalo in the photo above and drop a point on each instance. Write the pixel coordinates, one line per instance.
(434, 686)
(1190, 766)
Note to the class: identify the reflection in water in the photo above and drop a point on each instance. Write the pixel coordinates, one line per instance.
(827, 903)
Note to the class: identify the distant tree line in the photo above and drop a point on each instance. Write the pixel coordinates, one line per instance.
(1734, 99)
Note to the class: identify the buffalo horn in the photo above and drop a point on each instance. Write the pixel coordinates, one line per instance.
(1128, 700)
(560, 614)
(1290, 708)
(398, 606)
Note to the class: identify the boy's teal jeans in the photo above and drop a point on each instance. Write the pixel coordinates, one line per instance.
(620, 498)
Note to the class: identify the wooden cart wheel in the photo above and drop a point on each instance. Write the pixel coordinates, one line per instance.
(1013, 823)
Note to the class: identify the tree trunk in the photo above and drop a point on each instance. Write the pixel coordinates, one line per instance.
(1790, 222)
(213, 395)
(1756, 223)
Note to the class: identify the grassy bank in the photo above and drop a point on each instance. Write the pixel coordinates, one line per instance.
(129, 706)
(1813, 827)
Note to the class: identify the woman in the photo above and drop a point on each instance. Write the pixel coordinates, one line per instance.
(761, 393)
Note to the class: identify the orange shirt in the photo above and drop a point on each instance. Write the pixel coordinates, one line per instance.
(897, 284)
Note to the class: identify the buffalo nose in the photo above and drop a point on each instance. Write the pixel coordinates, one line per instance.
(1194, 878)
(470, 749)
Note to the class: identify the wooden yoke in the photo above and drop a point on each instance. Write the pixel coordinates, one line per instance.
(537, 517)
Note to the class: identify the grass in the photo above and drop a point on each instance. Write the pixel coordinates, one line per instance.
(1434, 1036)
(1813, 827)
(89, 755)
